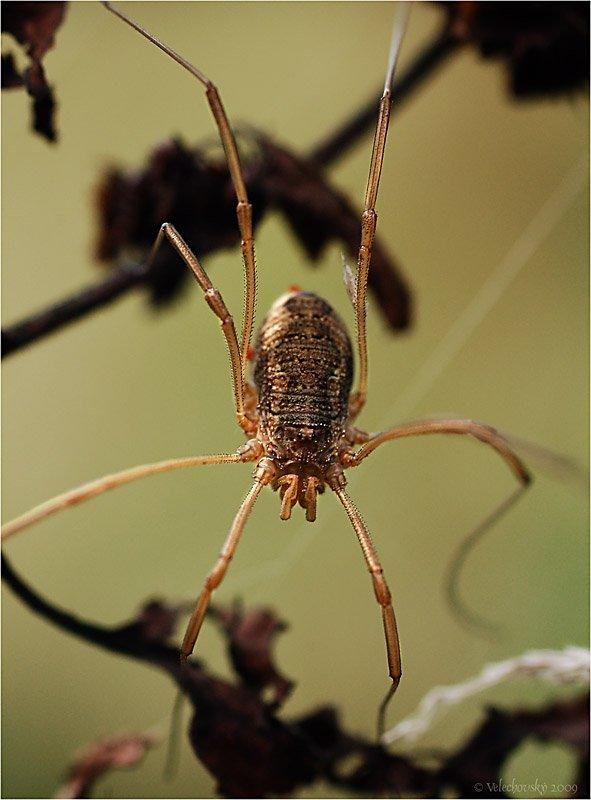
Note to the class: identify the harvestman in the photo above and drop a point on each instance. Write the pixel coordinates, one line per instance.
(298, 416)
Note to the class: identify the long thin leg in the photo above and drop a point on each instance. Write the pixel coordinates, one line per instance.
(100, 485)
(243, 208)
(485, 434)
(369, 218)
(382, 596)
(462, 427)
(216, 303)
(459, 558)
(216, 576)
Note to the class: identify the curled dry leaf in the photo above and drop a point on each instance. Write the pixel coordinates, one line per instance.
(479, 763)
(155, 622)
(251, 635)
(11, 77)
(33, 25)
(183, 186)
(545, 46)
(100, 758)
(251, 751)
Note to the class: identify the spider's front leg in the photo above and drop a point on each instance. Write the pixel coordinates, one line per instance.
(462, 427)
(264, 473)
(215, 301)
(369, 218)
(383, 596)
(249, 451)
(243, 206)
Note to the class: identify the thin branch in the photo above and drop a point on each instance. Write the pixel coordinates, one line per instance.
(75, 306)
(276, 756)
(569, 665)
(122, 280)
(337, 144)
(119, 640)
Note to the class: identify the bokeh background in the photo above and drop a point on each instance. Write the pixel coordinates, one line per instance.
(466, 171)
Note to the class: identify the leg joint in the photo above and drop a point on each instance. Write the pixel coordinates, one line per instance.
(380, 587)
(244, 214)
(216, 302)
(215, 577)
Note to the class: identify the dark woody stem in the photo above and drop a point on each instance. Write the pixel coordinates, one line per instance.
(122, 640)
(75, 306)
(337, 144)
(122, 280)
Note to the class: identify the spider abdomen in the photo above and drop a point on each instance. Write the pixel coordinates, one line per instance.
(303, 369)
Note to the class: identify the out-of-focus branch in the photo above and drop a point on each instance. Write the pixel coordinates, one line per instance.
(337, 144)
(180, 185)
(75, 306)
(252, 752)
(122, 280)
(126, 640)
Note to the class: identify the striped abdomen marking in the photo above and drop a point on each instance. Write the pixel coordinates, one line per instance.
(303, 369)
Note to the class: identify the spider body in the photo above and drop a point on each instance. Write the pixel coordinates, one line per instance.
(303, 371)
(298, 415)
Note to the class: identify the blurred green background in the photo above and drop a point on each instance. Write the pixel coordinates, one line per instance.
(466, 171)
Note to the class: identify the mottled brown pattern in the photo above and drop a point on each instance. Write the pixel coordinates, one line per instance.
(299, 419)
(303, 370)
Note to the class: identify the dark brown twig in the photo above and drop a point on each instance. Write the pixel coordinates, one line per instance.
(274, 757)
(122, 280)
(119, 640)
(334, 146)
(73, 307)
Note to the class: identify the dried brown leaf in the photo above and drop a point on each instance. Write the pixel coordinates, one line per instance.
(33, 25)
(251, 636)
(100, 758)
(252, 752)
(544, 46)
(185, 187)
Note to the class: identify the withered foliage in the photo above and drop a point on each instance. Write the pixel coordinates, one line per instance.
(251, 750)
(182, 185)
(544, 46)
(250, 638)
(33, 25)
(100, 758)
(546, 49)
